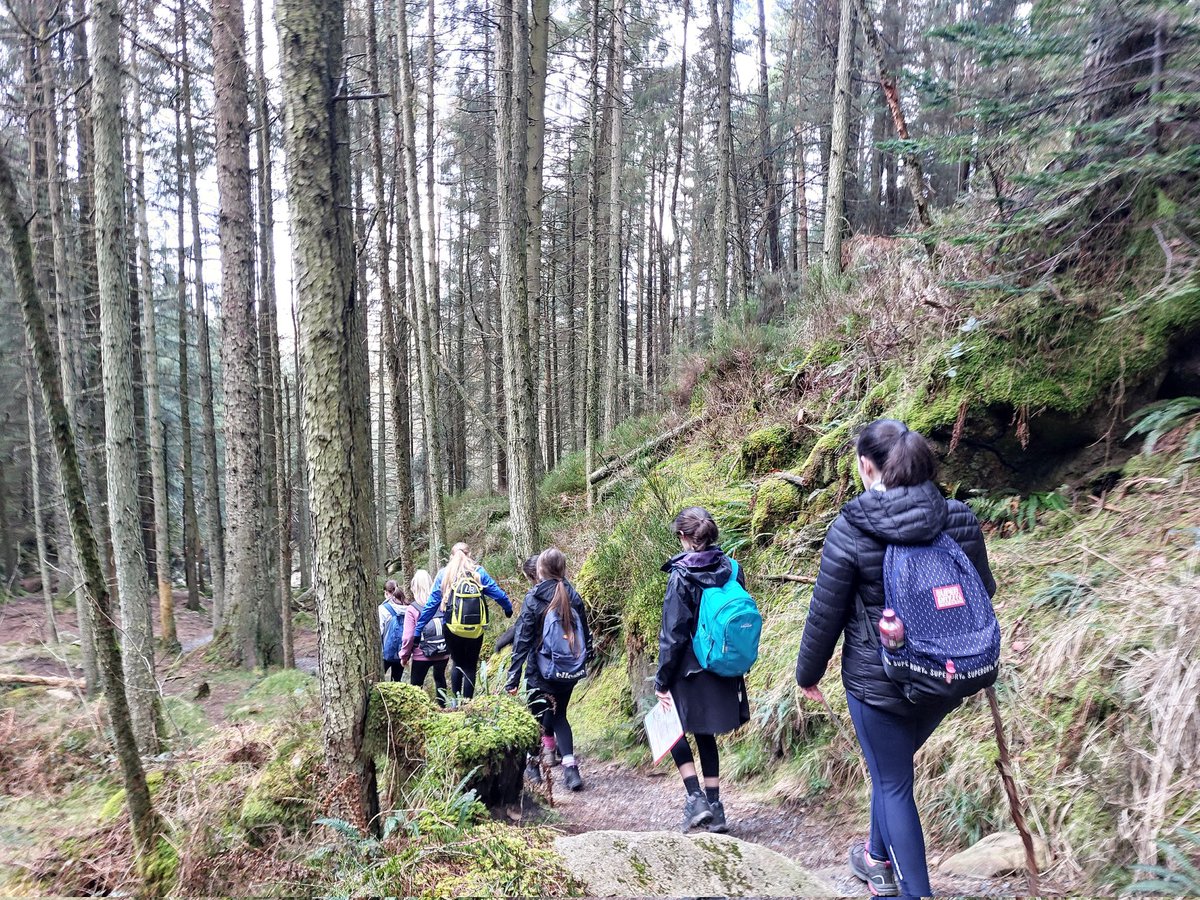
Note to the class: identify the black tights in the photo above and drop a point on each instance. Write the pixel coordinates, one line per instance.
(464, 662)
(422, 667)
(550, 709)
(710, 759)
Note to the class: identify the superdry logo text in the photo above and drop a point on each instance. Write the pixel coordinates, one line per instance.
(949, 596)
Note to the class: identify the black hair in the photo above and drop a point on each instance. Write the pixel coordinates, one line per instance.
(529, 567)
(697, 525)
(902, 457)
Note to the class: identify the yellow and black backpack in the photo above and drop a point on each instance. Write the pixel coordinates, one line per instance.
(468, 615)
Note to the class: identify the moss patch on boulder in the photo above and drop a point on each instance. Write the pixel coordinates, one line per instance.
(285, 792)
(766, 449)
(776, 502)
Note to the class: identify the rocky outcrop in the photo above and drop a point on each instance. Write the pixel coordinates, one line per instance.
(669, 864)
(997, 854)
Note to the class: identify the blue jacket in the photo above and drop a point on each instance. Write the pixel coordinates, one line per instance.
(490, 589)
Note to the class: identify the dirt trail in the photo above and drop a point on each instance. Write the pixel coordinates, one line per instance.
(616, 797)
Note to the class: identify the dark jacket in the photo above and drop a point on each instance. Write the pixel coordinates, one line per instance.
(528, 636)
(708, 703)
(852, 570)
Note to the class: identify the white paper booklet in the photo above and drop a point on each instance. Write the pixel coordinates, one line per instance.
(663, 729)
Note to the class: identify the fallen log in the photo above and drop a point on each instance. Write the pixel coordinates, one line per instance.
(650, 446)
(787, 576)
(42, 680)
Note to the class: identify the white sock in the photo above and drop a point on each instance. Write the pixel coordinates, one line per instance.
(569, 759)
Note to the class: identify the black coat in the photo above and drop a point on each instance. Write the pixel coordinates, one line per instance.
(708, 703)
(852, 569)
(528, 635)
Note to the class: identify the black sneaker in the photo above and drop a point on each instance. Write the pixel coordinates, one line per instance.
(533, 771)
(878, 875)
(572, 779)
(718, 825)
(696, 812)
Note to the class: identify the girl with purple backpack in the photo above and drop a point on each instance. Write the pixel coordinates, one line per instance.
(552, 645)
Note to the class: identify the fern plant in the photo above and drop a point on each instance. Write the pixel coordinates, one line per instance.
(1179, 876)
(1066, 593)
(1021, 514)
(1157, 419)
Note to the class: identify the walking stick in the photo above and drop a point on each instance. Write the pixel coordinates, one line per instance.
(1014, 801)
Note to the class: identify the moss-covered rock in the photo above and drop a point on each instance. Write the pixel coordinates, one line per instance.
(484, 743)
(775, 502)
(398, 716)
(285, 792)
(115, 804)
(767, 449)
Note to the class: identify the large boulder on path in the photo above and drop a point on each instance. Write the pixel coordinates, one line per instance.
(997, 854)
(670, 864)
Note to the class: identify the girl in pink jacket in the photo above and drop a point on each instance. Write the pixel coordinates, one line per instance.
(427, 650)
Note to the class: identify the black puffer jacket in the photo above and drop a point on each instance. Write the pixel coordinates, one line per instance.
(852, 567)
(707, 703)
(528, 635)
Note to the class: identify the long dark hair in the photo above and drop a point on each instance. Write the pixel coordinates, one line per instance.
(552, 566)
(902, 457)
(697, 525)
(529, 567)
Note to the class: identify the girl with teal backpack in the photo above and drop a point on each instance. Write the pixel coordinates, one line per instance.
(708, 641)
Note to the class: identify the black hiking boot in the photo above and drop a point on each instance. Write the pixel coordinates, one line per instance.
(696, 812)
(571, 778)
(533, 771)
(717, 825)
(879, 876)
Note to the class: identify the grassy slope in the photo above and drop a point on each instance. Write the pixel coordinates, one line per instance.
(1102, 634)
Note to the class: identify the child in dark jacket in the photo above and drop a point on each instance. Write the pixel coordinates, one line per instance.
(708, 704)
(548, 697)
(900, 505)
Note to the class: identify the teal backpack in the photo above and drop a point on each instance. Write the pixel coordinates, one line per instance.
(726, 641)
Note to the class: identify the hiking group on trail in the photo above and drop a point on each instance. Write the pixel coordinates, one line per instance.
(904, 580)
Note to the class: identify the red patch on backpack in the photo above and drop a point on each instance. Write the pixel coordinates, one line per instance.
(949, 596)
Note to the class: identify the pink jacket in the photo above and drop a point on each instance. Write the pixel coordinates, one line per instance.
(411, 646)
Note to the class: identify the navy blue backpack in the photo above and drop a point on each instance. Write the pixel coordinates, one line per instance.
(556, 660)
(393, 636)
(951, 644)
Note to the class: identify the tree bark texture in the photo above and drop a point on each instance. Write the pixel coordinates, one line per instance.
(612, 367)
(839, 143)
(512, 117)
(311, 40)
(116, 327)
(245, 581)
(214, 526)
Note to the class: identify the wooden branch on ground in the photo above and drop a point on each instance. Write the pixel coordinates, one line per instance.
(650, 446)
(787, 576)
(43, 680)
(793, 479)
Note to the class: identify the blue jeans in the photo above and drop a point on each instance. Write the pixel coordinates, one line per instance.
(889, 743)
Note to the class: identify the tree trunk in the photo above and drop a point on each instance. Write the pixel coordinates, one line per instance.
(157, 448)
(246, 584)
(214, 528)
(591, 372)
(116, 326)
(839, 144)
(512, 119)
(539, 41)
(767, 160)
(39, 520)
(723, 28)
(95, 587)
(435, 461)
(311, 37)
(612, 375)
(191, 532)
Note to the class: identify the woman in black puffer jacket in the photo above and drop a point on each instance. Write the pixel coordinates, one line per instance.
(900, 505)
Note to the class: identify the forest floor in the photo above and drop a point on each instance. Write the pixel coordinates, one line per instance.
(616, 795)
(619, 798)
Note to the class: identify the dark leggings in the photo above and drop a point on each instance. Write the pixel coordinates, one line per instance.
(550, 708)
(710, 758)
(889, 743)
(421, 667)
(393, 669)
(464, 658)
